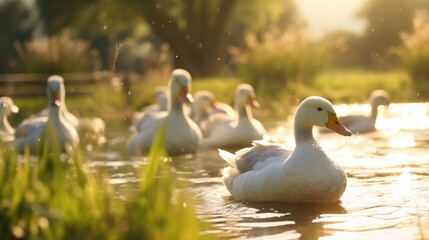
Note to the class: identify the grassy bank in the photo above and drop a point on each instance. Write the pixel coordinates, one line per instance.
(340, 86)
(356, 85)
(58, 197)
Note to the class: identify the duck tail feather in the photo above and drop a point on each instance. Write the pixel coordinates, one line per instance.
(228, 157)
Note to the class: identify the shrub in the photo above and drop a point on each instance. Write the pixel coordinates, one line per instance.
(57, 54)
(279, 57)
(414, 52)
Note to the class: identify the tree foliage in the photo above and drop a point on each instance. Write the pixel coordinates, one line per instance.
(414, 52)
(103, 23)
(385, 20)
(197, 31)
(15, 25)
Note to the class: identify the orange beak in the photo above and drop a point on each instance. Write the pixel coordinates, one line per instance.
(214, 105)
(335, 125)
(185, 96)
(54, 98)
(14, 109)
(252, 102)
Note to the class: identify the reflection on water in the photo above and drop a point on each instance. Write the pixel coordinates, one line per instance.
(387, 195)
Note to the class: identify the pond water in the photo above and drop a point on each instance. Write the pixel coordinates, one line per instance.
(387, 195)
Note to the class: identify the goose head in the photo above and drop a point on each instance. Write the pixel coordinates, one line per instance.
(161, 98)
(180, 87)
(317, 111)
(204, 100)
(245, 96)
(8, 106)
(58, 83)
(55, 91)
(379, 97)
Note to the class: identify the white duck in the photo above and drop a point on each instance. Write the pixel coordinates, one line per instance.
(64, 110)
(237, 132)
(54, 130)
(363, 123)
(161, 101)
(267, 172)
(7, 107)
(182, 134)
(204, 101)
(160, 105)
(205, 105)
(92, 128)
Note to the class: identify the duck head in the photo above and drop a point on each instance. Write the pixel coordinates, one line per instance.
(161, 98)
(317, 111)
(180, 85)
(379, 97)
(8, 106)
(204, 100)
(55, 91)
(245, 96)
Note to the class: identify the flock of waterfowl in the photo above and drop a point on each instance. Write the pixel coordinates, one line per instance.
(261, 171)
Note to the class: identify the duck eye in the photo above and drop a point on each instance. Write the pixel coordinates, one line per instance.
(319, 109)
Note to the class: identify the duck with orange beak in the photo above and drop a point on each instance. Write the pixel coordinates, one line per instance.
(53, 131)
(268, 172)
(240, 131)
(7, 107)
(182, 135)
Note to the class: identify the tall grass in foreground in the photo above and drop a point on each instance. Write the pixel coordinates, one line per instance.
(56, 197)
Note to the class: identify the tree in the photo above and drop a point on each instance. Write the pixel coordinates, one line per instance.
(103, 23)
(197, 31)
(385, 20)
(15, 25)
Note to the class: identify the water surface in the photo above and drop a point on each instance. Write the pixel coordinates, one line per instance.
(387, 195)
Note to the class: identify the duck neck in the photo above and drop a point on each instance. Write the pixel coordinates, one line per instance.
(54, 114)
(176, 105)
(303, 133)
(244, 112)
(374, 111)
(4, 122)
(201, 114)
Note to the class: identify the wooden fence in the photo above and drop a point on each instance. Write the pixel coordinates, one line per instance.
(34, 85)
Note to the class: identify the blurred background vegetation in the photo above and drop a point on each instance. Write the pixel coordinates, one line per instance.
(265, 43)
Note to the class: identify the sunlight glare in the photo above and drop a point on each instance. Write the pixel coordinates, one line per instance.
(402, 141)
(404, 187)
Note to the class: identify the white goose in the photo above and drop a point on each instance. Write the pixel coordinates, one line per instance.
(204, 101)
(267, 172)
(54, 130)
(182, 134)
(364, 123)
(240, 131)
(161, 101)
(7, 107)
(91, 128)
(215, 107)
(160, 105)
(64, 110)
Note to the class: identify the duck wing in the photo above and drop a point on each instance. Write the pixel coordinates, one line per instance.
(256, 157)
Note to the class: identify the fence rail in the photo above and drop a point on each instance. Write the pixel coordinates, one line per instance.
(34, 85)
